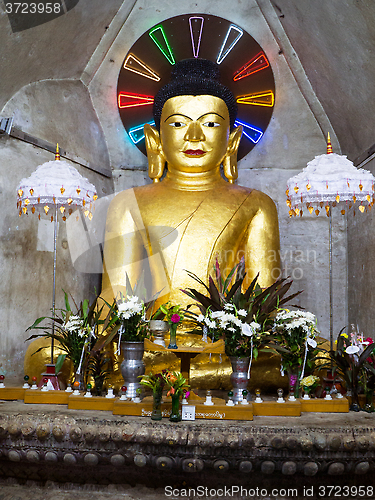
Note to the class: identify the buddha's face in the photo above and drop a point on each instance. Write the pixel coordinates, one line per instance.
(194, 132)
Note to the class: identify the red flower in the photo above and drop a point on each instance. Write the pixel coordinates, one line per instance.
(171, 391)
(175, 318)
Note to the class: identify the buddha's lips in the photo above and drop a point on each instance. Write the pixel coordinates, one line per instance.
(194, 152)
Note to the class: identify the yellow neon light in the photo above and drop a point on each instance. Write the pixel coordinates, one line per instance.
(260, 99)
(142, 69)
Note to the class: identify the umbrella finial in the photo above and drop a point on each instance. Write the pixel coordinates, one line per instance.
(329, 145)
(57, 154)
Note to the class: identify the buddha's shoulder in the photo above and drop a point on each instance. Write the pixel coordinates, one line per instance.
(249, 196)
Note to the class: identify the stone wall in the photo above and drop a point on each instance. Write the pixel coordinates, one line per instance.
(361, 267)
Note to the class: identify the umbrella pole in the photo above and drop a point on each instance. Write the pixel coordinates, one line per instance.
(54, 281)
(330, 281)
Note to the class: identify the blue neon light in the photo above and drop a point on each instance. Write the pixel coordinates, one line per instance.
(252, 133)
(137, 134)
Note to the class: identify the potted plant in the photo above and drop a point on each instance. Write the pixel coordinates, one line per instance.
(351, 359)
(176, 384)
(99, 368)
(309, 385)
(156, 383)
(243, 319)
(161, 321)
(74, 329)
(293, 337)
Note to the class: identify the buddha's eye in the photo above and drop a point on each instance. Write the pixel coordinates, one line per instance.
(211, 124)
(177, 124)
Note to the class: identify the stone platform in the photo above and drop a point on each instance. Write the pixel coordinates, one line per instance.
(45, 443)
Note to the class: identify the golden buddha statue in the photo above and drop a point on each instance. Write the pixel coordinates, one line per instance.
(193, 215)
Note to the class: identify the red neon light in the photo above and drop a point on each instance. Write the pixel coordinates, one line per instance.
(257, 63)
(132, 100)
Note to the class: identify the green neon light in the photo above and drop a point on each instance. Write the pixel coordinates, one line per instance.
(166, 51)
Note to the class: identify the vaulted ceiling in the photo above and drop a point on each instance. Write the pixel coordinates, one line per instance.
(334, 41)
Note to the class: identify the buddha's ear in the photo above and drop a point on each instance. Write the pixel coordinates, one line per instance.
(230, 159)
(156, 160)
(234, 140)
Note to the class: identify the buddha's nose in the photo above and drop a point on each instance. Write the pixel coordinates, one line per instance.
(194, 132)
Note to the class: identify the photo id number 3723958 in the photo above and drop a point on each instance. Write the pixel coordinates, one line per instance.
(346, 491)
(33, 8)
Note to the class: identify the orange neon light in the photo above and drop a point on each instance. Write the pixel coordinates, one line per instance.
(257, 63)
(260, 99)
(132, 63)
(132, 100)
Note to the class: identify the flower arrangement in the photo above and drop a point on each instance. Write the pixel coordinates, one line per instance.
(352, 361)
(242, 318)
(131, 313)
(293, 336)
(155, 381)
(99, 367)
(75, 331)
(175, 382)
(229, 324)
(126, 318)
(310, 383)
(166, 311)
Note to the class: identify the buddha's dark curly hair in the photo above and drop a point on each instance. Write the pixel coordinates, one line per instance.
(195, 77)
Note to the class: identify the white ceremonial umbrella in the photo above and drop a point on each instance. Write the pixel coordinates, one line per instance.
(330, 180)
(53, 191)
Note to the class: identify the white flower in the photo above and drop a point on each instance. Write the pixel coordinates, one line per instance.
(352, 349)
(255, 325)
(237, 322)
(247, 330)
(200, 318)
(130, 308)
(229, 307)
(210, 324)
(74, 323)
(311, 342)
(242, 312)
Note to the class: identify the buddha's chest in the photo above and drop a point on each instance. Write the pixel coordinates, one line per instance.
(190, 232)
(196, 215)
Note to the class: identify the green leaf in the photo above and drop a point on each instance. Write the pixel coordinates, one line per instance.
(85, 308)
(36, 323)
(59, 362)
(67, 305)
(229, 278)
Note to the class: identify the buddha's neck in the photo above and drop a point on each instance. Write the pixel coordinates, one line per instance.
(193, 181)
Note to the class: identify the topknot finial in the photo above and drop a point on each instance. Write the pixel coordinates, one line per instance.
(329, 145)
(57, 154)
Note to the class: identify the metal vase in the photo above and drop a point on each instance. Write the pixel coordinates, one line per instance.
(158, 328)
(133, 366)
(238, 377)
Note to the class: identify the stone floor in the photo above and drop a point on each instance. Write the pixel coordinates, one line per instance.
(54, 491)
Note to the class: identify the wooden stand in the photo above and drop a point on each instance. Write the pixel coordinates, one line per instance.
(274, 409)
(12, 393)
(46, 397)
(325, 406)
(218, 411)
(93, 403)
